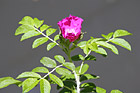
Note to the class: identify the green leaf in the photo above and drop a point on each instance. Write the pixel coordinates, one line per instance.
(39, 42)
(48, 62)
(6, 81)
(121, 42)
(50, 31)
(28, 75)
(44, 27)
(90, 57)
(116, 91)
(101, 51)
(88, 88)
(24, 29)
(119, 33)
(56, 80)
(82, 44)
(56, 37)
(59, 58)
(65, 90)
(38, 22)
(69, 84)
(29, 84)
(27, 20)
(88, 77)
(50, 46)
(69, 65)
(87, 85)
(29, 34)
(94, 40)
(109, 46)
(93, 46)
(83, 69)
(107, 36)
(45, 86)
(86, 49)
(40, 69)
(63, 71)
(100, 90)
(77, 58)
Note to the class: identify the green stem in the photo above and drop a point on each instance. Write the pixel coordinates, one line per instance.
(69, 57)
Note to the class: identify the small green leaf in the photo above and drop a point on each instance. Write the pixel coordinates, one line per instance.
(44, 27)
(93, 46)
(88, 88)
(29, 84)
(56, 80)
(101, 51)
(27, 20)
(109, 46)
(29, 35)
(121, 42)
(69, 65)
(94, 40)
(50, 46)
(116, 91)
(107, 36)
(48, 62)
(83, 69)
(119, 33)
(100, 90)
(90, 57)
(40, 69)
(59, 58)
(24, 29)
(86, 49)
(89, 84)
(6, 81)
(50, 31)
(45, 86)
(56, 37)
(77, 58)
(39, 42)
(63, 71)
(28, 75)
(88, 77)
(82, 44)
(38, 22)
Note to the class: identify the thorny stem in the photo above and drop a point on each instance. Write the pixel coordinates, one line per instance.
(47, 36)
(52, 71)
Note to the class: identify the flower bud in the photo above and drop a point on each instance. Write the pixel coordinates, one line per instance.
(70, 27)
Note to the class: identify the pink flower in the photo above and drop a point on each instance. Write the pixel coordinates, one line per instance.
(70, 27)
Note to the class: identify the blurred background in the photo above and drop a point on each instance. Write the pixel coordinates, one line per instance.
(100, 17)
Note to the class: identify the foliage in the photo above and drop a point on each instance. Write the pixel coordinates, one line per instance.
(71, 76)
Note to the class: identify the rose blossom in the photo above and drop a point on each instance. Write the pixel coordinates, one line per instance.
(70, 27)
